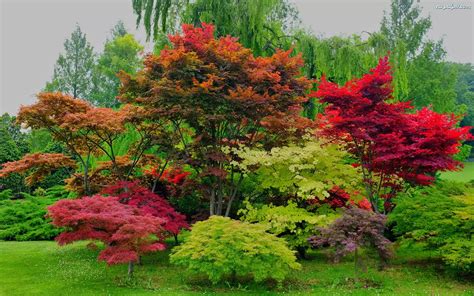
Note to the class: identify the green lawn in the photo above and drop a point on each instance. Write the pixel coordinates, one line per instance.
(42, 268)
(464, 175)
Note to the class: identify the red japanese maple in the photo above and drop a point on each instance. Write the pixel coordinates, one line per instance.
(393, 144)
(126, 231)
(131, 193)
(339, 198)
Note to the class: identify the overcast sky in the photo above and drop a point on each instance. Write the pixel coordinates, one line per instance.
(33, 33)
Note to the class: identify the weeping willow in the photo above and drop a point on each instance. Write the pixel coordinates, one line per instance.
(339, 59)
(262, 25)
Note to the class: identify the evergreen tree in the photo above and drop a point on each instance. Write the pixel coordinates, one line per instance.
(74, 68)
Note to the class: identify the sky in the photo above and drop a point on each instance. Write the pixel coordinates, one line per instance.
(33, 33)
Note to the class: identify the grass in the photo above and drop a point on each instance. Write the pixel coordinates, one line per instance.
(464, 175)
(43, 268)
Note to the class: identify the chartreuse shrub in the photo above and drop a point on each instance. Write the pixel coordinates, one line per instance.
(220, 248)
(24, 219)
(441, 219)
(293, 224)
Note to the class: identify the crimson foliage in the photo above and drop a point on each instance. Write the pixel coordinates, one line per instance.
(131, 193)
(339, 198)
(126, 231)
(355, 229)
(392, 143)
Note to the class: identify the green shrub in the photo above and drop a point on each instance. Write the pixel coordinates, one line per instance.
(220, 247)
(6, 194)
(23, 219)
(439, 219)
(293, 224)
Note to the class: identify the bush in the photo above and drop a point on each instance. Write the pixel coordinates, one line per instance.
(440, 219)
(23, 219)
(356, 229)
(6, 194)
(220, 247)
(293, 224)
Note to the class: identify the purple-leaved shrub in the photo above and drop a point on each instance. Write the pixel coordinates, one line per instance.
(357, 228)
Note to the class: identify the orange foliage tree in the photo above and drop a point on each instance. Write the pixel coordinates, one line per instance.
(38, 164)
(86, 130)
(212, 94)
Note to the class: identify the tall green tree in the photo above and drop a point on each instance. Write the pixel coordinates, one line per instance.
(122, 53)
(405, 31)
(13, 144)
(421, 74)
(465, 90)
(74, 68)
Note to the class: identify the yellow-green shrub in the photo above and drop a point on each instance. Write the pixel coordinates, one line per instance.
(220, 247)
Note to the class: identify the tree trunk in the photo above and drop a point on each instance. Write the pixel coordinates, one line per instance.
(212, 202)
(356, 263)
(130, 268)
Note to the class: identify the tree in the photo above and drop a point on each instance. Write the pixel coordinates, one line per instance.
(213, 93)
(118, 30)
(122, 53)
(419, 71)
(88, 131)
(261, 25)
(405, 31)
(300, 172)
(19, 137)
(125, 231)
(392, 146)
(131, 193)
(74, 69)
(39, 165)
(465, 90)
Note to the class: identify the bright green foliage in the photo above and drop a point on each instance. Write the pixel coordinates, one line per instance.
(431, 81)
(6, 194)
(120, 54)
(23, 219)
(405, 31)
(339, 58)
(305, 171)
(220, 247)
(293, 224)
(441, 219)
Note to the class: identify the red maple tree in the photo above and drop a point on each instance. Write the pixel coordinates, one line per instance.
(126, 231)
(393, 144)
(131, 193)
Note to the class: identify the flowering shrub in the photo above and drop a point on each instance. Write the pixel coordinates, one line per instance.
(220, 247)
